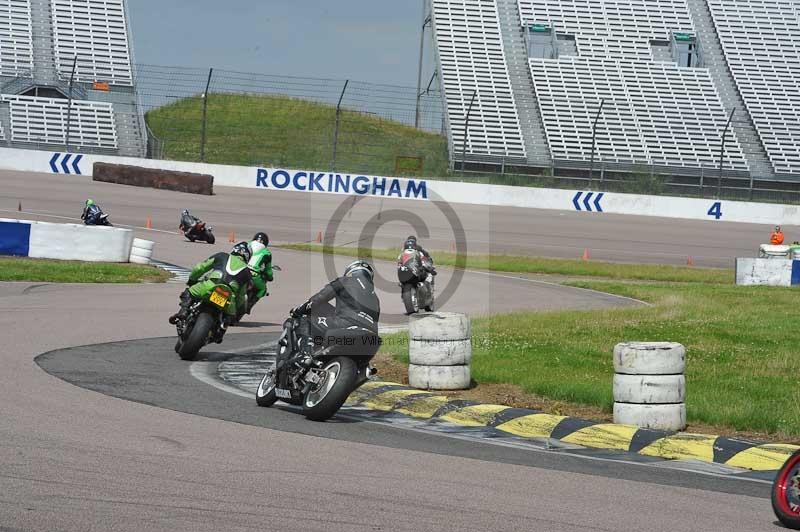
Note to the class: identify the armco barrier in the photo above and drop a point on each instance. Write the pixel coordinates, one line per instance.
(43, 240)
(308, 181)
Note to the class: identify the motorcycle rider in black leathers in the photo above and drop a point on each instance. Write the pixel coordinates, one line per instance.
(351, 324)
(427, 260)
(187, 223)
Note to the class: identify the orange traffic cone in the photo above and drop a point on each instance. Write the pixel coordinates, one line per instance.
(690, 261)
(232, 237)
(149, 223)
(585, 253)
(319, 237)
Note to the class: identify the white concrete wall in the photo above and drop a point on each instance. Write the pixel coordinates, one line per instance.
(78, 242)
(768, 272)
(276, 179)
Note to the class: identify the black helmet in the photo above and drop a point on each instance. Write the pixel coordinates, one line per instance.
(359, 266)
(261, 237)
(410, 243)
(242, 250)
(185, 212)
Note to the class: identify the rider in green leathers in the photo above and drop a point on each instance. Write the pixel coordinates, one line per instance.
(230, 269)
(261, 263)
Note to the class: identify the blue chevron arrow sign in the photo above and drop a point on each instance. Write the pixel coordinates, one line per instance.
(587, 201)
(67, 161)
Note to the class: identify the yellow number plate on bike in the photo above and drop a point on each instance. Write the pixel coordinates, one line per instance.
(218, 299)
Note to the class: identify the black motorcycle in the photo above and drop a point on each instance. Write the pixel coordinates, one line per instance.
(97, 219)
(205, 323)
(200, 231)
(416, 289)
(786, 493)
(321, 386)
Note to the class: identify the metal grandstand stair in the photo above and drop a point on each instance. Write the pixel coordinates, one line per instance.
(714, 61)
(533, 133)
(44, 72)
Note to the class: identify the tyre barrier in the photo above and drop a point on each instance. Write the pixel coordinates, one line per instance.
(440, 351)
(649, 385)
(141, 251)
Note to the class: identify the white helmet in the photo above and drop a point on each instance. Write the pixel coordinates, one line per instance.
(359, 266)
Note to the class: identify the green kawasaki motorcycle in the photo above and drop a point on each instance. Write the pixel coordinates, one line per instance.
(205, 322)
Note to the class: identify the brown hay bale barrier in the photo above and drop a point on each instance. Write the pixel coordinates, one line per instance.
(154, 178)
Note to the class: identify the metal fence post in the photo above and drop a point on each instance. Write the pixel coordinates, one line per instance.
(205, 114)
(722, 152)
(69, 105)
(594, 142)
(336, 125)
(466, 128)
(426, 19)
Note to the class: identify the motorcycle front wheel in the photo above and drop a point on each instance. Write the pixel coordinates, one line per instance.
(327, 396)
(265, 395)
(210, 237)
(197, 337)
(786, 493)
(410, 300)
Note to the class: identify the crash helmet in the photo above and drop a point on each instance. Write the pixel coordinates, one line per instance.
(185, 212)
(261, 237)
(89, 202)
(410, 243)
(242, 250)
(777, 228)
(359, 266)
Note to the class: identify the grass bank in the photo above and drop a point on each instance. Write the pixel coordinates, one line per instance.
(539, 265)
(57, 271)
(288, 132)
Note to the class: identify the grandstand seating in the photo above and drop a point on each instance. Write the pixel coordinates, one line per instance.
(472, 59)
(96, 31)
(611, 28)
(44, 121)
(16, 42)
(655, 113)
(761, 43)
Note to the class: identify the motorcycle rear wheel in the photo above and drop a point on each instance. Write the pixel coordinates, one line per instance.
(786, 493)
(324, 400)
(197, 337)
(410, 300)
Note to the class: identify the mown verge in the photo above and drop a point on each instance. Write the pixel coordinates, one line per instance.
(57, 271)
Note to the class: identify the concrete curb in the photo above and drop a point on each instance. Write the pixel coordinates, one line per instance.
(419, 404)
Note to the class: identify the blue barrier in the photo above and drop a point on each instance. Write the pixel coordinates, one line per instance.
(15, 238)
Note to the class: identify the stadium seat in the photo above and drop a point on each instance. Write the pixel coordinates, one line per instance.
(97, 32)
(761, 42)
(472, 59)
(44, 121)
(16, 41)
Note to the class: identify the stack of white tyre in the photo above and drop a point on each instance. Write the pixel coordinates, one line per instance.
(142, 251)
(440, 351)
(649, 385)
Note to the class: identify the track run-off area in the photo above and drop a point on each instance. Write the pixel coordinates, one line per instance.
(121, 432)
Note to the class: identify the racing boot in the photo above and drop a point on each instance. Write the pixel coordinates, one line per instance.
(183, 312)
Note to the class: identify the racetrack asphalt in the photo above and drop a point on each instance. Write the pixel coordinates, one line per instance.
(75, 459)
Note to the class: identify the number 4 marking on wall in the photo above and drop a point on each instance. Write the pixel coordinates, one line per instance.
(716, 210)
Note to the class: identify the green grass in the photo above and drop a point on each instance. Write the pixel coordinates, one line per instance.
(539, 265)
(742, 360)
(288, 132)
(56, 271)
